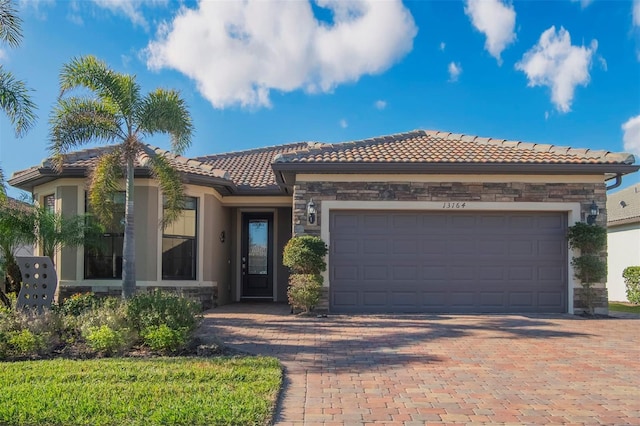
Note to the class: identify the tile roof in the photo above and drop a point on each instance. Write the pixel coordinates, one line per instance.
(441, 147)
(252, 168)
(624, 206)
(88, 158)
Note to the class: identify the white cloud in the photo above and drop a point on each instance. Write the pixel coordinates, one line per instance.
(583, 3)
(555, 63)
(631, 136)
(237, 52)
(496, 20)
(636, 13)
(442, 45)
(343, 123)
(380, 104)
(130, 9)
(454, 71)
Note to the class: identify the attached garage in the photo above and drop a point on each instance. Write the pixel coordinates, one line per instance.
(453, 261)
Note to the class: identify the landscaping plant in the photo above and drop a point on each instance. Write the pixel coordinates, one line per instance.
(589, 267)
(631, 277)
(304, 255)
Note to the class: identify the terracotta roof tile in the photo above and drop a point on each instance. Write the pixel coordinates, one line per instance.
(252, 168)
(442, 147)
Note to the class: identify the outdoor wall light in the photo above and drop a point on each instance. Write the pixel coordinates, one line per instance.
(222, 237)
(593, 213)
(311, 212)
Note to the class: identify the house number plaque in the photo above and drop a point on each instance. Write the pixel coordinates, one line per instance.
(450, 205)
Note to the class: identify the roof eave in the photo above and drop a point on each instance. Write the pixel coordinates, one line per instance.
(38, 176)
(285, 172)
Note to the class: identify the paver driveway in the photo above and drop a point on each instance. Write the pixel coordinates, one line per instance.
(417, 369)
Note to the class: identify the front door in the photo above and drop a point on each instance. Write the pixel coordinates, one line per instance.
(257, 260)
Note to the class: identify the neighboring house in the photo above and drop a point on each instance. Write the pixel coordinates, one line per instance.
(27, 249)
(623, 238)
(23, 250)
(415, 222)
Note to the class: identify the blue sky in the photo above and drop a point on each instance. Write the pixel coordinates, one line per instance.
(266, 73)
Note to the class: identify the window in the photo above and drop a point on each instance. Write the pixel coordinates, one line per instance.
(103, 258)
(49, 203)
(179, 249)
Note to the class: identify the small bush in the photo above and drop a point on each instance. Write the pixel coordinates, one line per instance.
(158, 307)
(25, 343)
(587, 238)
(304, 291)
(77, 304)
(106, 340)
(631, 277)
(305, 255)
(164, 339)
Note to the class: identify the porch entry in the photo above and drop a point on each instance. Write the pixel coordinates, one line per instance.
(256, 261)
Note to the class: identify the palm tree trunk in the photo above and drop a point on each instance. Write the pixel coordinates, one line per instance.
(129, 246)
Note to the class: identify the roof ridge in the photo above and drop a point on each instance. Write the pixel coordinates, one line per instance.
(321, 147)
(250, 151)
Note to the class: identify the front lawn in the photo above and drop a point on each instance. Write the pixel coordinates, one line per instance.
(147, 391)
(624, 307)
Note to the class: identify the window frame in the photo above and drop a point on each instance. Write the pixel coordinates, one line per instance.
(194, 245)
(110, 238)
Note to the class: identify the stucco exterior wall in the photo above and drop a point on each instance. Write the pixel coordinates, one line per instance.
(212, 265)
(505, 195)
(623, 250)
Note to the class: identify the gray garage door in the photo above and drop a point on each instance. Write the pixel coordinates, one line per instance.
(448, 262)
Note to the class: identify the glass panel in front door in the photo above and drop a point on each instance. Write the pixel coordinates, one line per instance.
(258, 247)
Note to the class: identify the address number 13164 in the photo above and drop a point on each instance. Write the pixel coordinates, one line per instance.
(448, 205)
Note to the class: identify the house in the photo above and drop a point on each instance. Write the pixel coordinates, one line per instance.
(623, 238)
(423, 221)
(21, 250)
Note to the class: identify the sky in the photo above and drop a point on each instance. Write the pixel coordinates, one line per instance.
(263, 73)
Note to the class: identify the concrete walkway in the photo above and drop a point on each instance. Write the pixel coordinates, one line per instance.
(454, 369)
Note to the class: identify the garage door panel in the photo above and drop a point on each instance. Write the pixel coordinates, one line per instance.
(375, 272)
(454, 262)
(374, 246)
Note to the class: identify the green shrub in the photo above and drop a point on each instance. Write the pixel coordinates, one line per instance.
(110, 315)
(304, 291)
(25, 343)
(305, 255)
(165, 339)
(157, 308)
(77, 304)
(631, 277)
(589, 268)
(105, 340)
(587, 238)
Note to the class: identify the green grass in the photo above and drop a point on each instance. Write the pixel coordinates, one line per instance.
(623, 307)
(150, 391)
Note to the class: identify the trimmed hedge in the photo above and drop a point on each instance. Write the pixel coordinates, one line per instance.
(631, 277)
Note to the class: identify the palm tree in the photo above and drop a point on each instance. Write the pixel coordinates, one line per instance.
(15, 100)
(24, 224)
(117, 113)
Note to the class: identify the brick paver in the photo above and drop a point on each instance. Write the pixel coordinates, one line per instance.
(445, 369)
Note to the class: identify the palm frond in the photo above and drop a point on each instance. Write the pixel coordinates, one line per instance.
(164, 111)
(104, 184)
(78, 121)
(16, 102)
(171, 186)
(118, 90)
(3, 188)
(10, 24)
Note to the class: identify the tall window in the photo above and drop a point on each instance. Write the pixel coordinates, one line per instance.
(179, 249)
(103, 258)
(49, 203)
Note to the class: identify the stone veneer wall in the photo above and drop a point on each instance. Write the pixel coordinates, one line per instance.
(511, 192)
(206, 296)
